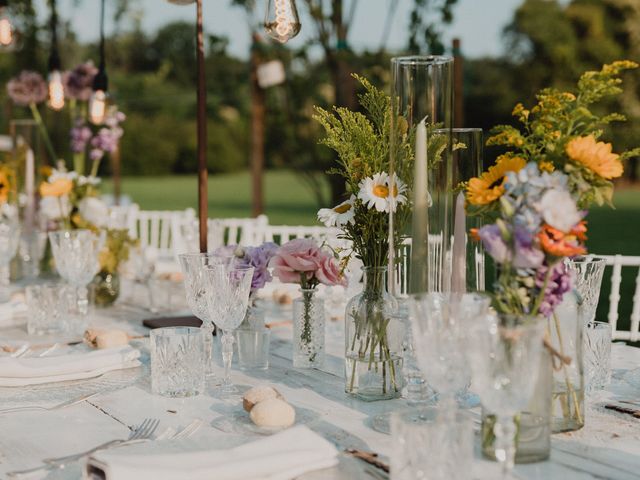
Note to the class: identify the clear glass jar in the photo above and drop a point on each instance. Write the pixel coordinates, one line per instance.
(308, 330)
(373, 341)
(533, 434)
(566, 328)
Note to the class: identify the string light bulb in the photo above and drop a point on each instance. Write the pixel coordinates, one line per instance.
(282, 22)
(7, 28)
(56, 90)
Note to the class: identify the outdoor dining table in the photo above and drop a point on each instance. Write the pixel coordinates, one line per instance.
(607, 447)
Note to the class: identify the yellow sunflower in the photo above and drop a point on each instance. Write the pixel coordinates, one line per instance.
(596, 156)
(490, 185)
(5, 187)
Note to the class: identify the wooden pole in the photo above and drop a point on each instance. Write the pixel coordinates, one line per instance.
(257, 133)
(203, 198)
(458, 90)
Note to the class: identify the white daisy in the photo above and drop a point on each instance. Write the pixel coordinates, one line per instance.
(375, 192)
(398, 196)
(339, 215)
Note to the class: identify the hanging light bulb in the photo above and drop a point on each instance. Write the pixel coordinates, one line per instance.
(7, 28)
(98, 107)
(56, 90)
(281, 21)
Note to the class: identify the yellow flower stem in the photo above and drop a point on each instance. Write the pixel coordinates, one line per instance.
(43, 131)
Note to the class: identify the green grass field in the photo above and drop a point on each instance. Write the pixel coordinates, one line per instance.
(289, 201)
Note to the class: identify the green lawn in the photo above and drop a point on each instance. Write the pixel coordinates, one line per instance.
(288, 200)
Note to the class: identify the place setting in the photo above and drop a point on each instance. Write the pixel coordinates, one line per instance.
(295, 239)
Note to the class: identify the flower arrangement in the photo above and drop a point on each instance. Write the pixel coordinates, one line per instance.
(536, 195)
(535, 200)
(29, 89)
(303, 262)
(256, 257)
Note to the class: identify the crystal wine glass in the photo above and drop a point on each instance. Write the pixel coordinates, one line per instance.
(193, 267)
(227, 301)
(9, 240)
(76, 255)
(588, 271)
(438, 325)
(504, 355)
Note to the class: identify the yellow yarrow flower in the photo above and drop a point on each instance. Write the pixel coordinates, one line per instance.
(60, 187)
(490, 185)
(546, 167)
(596, 156)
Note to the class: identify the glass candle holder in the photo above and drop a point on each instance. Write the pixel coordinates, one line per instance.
(47, 309)
(430, 444)
(177, 361)
(253, 348)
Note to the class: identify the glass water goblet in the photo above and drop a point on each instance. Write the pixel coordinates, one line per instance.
(193, 267)
(76, 253)
(227, 300)
(438, 326)
(504, 356)
(588, 271)
(9, 240)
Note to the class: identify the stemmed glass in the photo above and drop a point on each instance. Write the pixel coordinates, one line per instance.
(193, 267)
(439, 327)
(9, 240)
(227, 301)
(76, 255)
(588, 271)
(504, 355)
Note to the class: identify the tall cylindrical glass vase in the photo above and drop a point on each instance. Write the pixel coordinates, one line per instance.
(421, 104)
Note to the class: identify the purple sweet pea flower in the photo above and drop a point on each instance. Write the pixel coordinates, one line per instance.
(494, 244)
(526, 254)
(27, 88)
(259, 258)
(558, 284)
(78, 83)
(80, 136)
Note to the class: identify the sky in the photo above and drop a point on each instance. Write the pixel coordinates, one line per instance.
(478, 23)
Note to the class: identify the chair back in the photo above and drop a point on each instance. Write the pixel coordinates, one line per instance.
(154, 228)
(617, 264)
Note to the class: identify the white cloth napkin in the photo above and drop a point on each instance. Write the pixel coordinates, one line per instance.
(282, 456)
(17, 372)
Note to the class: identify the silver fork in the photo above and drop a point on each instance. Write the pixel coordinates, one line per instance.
(59, 406)
(142, 433)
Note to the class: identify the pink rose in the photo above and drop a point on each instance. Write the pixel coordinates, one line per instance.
(298, 256)
(329, 273)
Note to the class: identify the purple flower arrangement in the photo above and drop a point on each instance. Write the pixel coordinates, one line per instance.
(27, 89)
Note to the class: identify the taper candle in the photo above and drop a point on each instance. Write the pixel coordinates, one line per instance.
(458, 260)
(420, 223)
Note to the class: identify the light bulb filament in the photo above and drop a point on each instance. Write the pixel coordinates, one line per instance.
(6, 32)
(98, 107)
(56, 91)
(282, 22)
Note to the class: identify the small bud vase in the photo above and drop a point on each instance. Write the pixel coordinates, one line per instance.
(373, 336)
(308, 330)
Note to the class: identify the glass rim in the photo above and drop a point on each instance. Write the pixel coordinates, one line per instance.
(424, 295)
(598, 324)
(65, 233)
(176, 330)
(587, 259)
(415, 60)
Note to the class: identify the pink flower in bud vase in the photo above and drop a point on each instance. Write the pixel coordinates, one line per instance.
(294, 258)
(329, 272)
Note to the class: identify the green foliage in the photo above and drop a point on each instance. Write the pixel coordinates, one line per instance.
(559, 117)
(116, 250)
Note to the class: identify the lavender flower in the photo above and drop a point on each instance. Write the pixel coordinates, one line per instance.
(80, 136)
(259, 258)
(78, 83)
(558, 284)
(27, 88)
